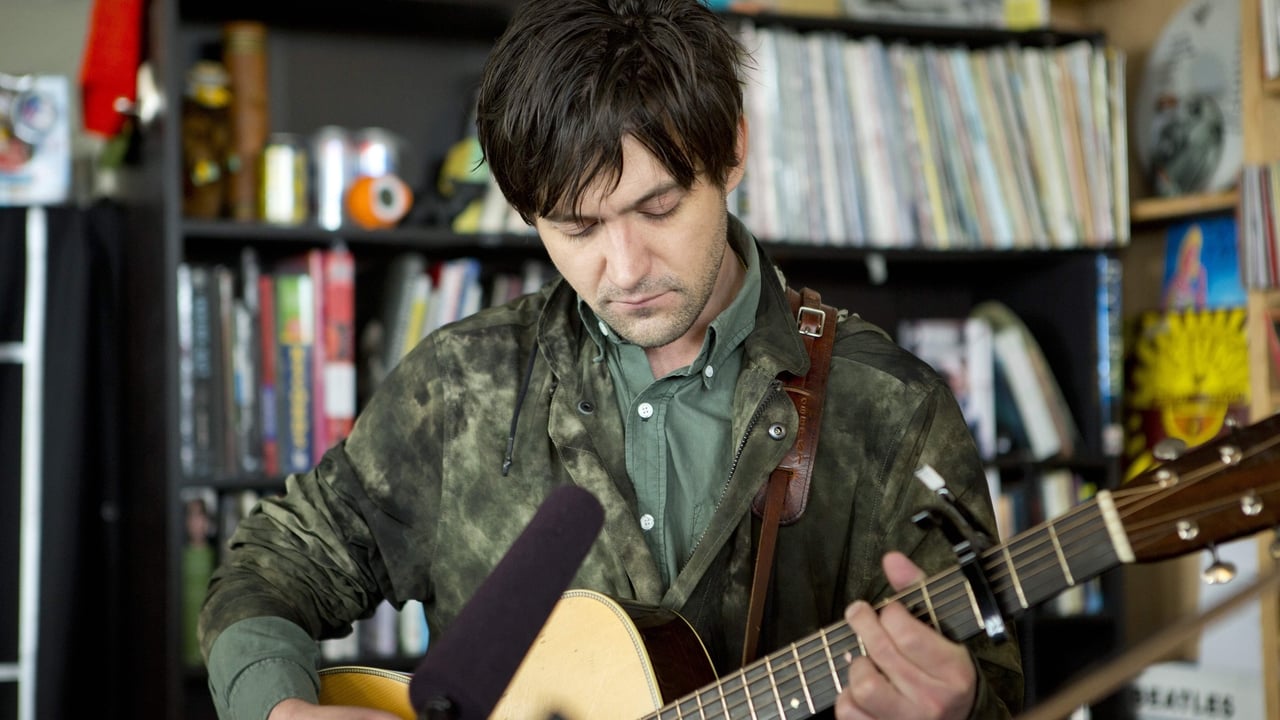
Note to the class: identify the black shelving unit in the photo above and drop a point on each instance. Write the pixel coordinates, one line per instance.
(410, 66)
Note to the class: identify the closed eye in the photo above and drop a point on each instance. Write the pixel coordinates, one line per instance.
(579, 231)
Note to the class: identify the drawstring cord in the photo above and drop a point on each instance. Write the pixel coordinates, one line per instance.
(515, 416)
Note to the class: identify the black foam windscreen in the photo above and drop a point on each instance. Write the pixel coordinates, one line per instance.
(472, 663)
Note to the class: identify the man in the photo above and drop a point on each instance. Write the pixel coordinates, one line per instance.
(647, 376)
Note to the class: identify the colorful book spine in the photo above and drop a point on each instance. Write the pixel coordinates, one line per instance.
(269, 349)
(296, 333)
(339, 356)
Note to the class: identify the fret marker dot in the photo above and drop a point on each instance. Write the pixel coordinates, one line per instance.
(794, 703)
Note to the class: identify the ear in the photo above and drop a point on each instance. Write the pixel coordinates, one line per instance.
(740, 149)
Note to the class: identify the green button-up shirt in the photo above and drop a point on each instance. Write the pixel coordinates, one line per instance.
(678, 443)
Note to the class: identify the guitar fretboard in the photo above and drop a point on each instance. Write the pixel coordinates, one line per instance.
(807, 676)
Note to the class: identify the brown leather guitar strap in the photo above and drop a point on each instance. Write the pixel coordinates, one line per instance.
(782, 500)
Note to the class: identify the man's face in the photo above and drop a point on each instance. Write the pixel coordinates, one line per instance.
(646, 255)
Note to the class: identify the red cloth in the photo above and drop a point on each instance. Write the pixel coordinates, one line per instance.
(109, 70)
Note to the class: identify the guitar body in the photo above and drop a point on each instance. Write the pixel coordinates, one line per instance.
(595, 657)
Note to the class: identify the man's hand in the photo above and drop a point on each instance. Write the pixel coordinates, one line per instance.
(296, 709)
(910, 670)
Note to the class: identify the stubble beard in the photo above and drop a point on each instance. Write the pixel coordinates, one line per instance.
(654, 327)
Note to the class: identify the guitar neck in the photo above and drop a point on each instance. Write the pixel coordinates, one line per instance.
(807, 676)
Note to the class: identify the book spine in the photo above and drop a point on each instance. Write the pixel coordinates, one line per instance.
(296, 332)
(339, 343)
(224, 281)
(206, 435)
(269, 349)
(1110, 354)
(244, 56)
(199, 557)
(186, 379)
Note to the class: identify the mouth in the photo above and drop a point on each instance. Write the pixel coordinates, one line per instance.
(637, 303)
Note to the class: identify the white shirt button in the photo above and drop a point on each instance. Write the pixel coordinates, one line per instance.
(709, 371)
(645, 410)
(646, 522)
(604, 329)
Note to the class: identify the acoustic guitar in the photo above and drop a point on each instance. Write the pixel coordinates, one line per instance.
(600, 658)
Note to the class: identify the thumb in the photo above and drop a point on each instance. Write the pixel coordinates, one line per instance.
(902, 573)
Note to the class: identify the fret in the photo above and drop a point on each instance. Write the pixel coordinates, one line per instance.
(1062, 558)
(1115, 528)
(1013, 575)
(724, 703)
(702, 712)
(746, 688)
(773, 685)
(831, 663)
(973, 603)
(804, 684)
(928, 603)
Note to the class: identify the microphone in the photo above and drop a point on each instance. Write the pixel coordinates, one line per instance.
(464, 674)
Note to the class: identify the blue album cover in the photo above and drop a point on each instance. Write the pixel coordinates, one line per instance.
(1202, 265)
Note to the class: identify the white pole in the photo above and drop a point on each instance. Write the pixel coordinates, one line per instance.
(31, 460)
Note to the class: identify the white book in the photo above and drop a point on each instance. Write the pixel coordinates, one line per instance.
(1013, 360)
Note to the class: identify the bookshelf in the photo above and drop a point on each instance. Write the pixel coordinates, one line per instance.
(1261, 101)
(1169, 591)
(1155, 211)
(328, 67)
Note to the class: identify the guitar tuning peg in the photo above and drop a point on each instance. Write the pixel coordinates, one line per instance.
(1231, 423)
(1218, 572)
(1169, 448)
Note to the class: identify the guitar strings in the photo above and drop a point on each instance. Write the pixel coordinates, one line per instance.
(949, 592)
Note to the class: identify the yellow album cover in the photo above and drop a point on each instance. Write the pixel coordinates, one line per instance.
(1189, 374)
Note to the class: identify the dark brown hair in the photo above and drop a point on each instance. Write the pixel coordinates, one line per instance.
(570, 78)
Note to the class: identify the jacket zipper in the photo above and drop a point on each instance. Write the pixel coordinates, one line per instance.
(774, 385)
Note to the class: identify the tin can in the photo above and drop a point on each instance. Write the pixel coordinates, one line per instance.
(333, 170)
(377, 152)
(283, 199)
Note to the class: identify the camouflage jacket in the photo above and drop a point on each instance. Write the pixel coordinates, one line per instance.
(415, 504)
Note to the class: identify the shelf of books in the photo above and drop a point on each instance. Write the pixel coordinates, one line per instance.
(917, 175)
(890, 144)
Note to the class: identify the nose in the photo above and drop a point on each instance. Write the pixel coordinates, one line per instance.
(627, 256)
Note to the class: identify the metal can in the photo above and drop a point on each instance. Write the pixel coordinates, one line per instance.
(283, 198)
(333, 170)
(377, 152)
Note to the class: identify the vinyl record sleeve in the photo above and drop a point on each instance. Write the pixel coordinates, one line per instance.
(1187, 125)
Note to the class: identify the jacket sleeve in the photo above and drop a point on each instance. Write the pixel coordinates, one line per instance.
(315, 555)
(938, 436)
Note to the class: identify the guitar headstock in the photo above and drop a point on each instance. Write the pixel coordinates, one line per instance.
(1226, 488)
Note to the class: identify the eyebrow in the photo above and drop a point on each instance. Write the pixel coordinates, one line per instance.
(657, 192)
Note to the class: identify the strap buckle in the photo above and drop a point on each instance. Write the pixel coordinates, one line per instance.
(808, 318)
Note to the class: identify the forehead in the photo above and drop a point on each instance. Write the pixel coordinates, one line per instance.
(641, 176)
